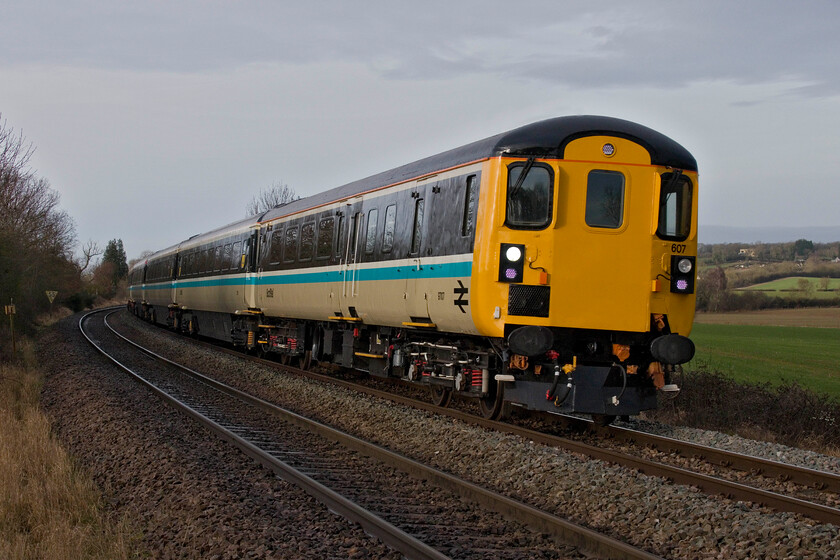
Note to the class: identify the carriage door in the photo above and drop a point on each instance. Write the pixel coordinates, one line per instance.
(350, 280)
(416, 277)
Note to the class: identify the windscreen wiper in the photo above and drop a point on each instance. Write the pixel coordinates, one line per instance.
(521, 179)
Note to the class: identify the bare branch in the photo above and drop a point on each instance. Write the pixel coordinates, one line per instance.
(90, 250)
(272, 197)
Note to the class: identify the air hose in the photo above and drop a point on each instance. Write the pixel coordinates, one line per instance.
(551, 394)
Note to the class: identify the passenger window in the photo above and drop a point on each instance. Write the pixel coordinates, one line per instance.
(291, 245)
(674, 207)
(529, 197)
(370, 239)
(276, 248)
(227, 257)
(217, 260)
(468, 223)
(307, 241)
(236, 257)
(390, 226)
(605, 199)
(326, 229)
(418, 226)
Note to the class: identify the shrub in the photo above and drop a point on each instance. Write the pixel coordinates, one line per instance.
(788, 413)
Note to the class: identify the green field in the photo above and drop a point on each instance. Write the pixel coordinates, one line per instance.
(791, 287)
(758, 354)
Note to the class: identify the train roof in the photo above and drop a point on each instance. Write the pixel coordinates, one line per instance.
(547, 138)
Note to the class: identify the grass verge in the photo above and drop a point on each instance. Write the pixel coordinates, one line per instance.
(48, 508)
(809, 357)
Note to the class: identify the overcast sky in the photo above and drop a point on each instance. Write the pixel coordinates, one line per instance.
(156, 120)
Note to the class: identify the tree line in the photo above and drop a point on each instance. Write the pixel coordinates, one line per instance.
(728, 266)
(38, 239)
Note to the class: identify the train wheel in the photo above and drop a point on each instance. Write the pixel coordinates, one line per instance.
(602, 420)
(306, 360)
(441, 396)
(493, 406)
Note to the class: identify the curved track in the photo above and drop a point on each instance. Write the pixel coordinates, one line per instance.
(250, 423)
(813, 484)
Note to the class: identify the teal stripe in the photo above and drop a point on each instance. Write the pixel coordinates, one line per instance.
(406, 272)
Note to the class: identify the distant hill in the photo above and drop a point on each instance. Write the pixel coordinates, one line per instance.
(728, 234)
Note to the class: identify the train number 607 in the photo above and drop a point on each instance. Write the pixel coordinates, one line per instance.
(677, 248)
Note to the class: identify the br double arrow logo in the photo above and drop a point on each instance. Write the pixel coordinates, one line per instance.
(462, 300)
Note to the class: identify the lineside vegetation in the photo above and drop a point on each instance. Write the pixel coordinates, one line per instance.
(772, 375)
(48, 508)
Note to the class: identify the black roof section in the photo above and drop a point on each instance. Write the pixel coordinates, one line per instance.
(546, 139)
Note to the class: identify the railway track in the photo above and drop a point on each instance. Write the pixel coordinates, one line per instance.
(808, 492)
(414, 508)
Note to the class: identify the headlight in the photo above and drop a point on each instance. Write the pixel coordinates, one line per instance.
(684, 266)
(513, 253)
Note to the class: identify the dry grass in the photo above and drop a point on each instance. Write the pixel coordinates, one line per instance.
(48, 508)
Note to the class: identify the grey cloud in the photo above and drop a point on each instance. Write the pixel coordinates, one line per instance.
(608, 44)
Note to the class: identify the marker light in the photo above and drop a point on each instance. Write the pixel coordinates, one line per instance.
(682, 274)
(511, 263)
(608, 149)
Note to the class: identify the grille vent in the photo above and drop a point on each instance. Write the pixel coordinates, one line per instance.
(531, 301)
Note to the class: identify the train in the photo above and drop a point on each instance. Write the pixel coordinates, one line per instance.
(551, 267)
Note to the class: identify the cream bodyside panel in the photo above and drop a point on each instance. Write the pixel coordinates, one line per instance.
(377, 293)
(221, 294)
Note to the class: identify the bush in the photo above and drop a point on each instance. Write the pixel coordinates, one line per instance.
(788, 413)
(79, 301)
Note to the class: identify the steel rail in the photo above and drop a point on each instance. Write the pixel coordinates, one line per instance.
(372, 524)
(568, 532)
(766, 467)
(707, 483)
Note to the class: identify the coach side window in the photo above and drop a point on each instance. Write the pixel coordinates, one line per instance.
(236, 258)
(529, 195)
(276, 250)
(390, 227)
(468, 223)
(307, 241)
(227, 257)
(290, 251)
(217, 260)
(370, 239)
(326, 230)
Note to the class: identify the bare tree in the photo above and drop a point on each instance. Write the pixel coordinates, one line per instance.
(36, 237)
(276, 195)
(143, 256)
(90, 251)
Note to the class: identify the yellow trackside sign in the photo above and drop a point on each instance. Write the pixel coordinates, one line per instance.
(51, 295)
